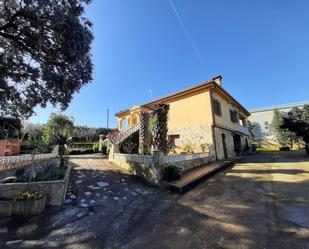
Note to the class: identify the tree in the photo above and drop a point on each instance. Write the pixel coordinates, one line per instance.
(58, 131)
(299, 124)
(44, 53)
(283, 136)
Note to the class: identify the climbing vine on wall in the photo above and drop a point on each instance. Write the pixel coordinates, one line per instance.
(160, 129)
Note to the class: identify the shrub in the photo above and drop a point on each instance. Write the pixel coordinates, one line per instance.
(188, 148)
(95, 147)
(53, 174)
(284, 148)
(88, 151)
(20, 172)
(75, 152)
(104, 149)
(30, 196)
(171, 172)
(205, 147)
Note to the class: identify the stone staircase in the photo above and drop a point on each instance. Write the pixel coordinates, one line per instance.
(125, 133)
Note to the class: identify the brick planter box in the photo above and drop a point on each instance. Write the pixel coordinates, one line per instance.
(55, 190)
(31, 207)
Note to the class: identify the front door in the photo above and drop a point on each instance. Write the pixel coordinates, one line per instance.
(237, 144)
(224, 146)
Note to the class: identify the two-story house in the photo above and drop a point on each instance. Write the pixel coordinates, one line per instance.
(203, 114)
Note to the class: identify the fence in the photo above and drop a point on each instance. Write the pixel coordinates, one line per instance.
(11, 162)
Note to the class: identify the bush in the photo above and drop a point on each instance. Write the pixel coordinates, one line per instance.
(188, 148)
(284, 148)
(171, 172)
(88, 151)
(52, 174)
(30, 196)
(104, 149)
(85, 146)
(75, 152)
(20, 172)
(95, 147)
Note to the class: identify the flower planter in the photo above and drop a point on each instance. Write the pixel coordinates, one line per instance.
(29, 207)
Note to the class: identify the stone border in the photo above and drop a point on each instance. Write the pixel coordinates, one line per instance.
(55, 190)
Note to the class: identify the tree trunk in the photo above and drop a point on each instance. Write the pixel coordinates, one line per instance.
(61, 152)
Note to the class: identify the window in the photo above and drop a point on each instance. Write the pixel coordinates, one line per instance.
(234, 116)
(217, 107)
(242, 121)
(174, 141)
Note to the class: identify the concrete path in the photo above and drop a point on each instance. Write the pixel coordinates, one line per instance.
(262, 202)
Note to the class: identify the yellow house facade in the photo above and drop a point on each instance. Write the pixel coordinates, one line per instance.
(202, 116)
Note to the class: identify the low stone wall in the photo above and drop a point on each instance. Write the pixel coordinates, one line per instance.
(150, 167)
(12, 162)
(139, 165)
(55, 190)
(189, 161)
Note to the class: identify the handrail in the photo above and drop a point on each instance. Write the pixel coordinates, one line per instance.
(124, 134)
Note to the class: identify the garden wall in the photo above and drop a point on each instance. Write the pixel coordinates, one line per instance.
(150, 167)
(140, 165)
(189, 161)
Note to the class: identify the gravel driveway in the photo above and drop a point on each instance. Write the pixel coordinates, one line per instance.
(262, 202)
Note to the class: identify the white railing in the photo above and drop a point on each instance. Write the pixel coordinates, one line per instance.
(144, 159)
(184, 157)
(124, 134)
(9, 162)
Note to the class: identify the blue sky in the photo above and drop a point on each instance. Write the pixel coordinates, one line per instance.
(259, 47)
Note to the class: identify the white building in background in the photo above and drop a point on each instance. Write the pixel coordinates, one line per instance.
(260, 116)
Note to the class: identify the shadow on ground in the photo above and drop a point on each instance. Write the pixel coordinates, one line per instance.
(261, 202)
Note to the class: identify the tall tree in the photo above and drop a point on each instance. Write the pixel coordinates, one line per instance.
(299, 124)
(44, 53)
(282, 136)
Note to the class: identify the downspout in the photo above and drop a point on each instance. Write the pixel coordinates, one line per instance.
(214, 123)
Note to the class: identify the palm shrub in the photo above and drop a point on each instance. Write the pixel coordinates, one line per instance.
(58, 131)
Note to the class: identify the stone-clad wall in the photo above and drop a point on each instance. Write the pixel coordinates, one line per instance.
(229, 143)
(139, 165)
(195, 135)
(190, 161)
(150, 167)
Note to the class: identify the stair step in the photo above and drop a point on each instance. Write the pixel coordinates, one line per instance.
(193, 176)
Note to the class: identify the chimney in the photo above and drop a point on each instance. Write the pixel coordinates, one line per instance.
(218, 80)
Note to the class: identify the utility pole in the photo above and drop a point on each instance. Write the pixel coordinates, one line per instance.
(107, 118)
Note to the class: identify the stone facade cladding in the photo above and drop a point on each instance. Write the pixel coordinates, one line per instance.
(194, 134)
(11, 162)
(229, 142)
